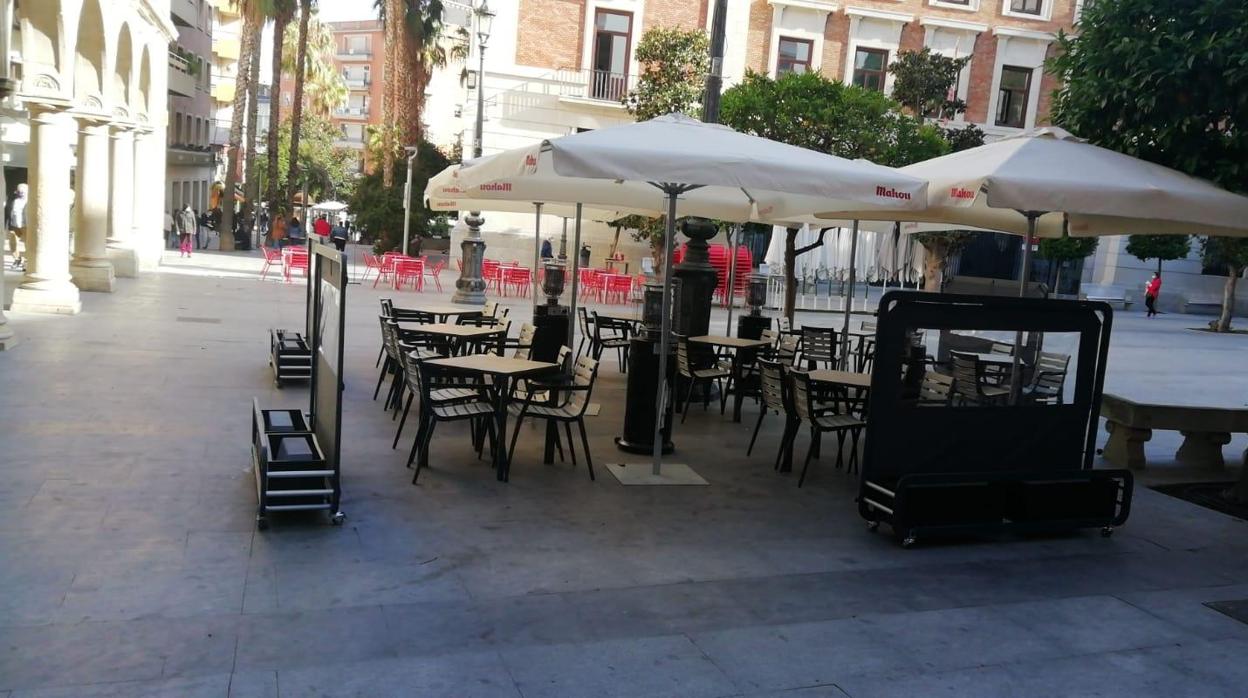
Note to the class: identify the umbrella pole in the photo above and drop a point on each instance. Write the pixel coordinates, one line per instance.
(665, 332)
(537, 251)
(576, 277)
(734, 242)
(849, 296)
(897, 252)
(1016, 373)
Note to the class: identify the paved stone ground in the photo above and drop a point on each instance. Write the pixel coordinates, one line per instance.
(129, 563)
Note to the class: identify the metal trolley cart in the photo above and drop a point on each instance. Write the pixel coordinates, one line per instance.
(289, 356)
(296, 455)
(967, 467)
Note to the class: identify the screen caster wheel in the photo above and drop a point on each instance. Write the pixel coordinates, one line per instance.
(1107, 531)
(873, 526)
(262, 524)
(338, 518)
(909, 542)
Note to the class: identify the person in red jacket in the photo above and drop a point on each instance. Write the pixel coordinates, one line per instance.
(321, 227)
(1151, 291)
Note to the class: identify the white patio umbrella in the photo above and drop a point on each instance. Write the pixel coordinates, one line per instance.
(700, 169)
(1045, 181)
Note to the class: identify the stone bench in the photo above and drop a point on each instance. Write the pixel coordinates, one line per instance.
(1115, 296)
(1205, 430)
(1202, 305)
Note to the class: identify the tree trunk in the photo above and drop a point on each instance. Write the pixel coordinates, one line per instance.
(225, 235)
(296, 109)
(1159, 266)
(251, 182)
(1228, 299)
(389, 113)
(272, 191)
(790, 272)
(934, 264)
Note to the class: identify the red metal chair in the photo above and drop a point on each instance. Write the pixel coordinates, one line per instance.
(272, 256)
(591, 284)
(518, 279)
(491, 273)
(371, 263)
(386, 269)
(409, 270)
(432, 272)
(294, 259)
(617, 288)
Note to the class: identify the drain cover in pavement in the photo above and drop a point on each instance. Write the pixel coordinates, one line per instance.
(1235, 609)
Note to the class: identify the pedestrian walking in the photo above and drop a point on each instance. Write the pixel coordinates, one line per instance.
(1151, 291)
(171, 233)
(338, 236)
(201, 230)
(322, 228)
(17, 225)
(547, 251)
(185, 223)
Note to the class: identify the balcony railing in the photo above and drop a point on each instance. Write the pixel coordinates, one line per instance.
(347, 54)
(355, 83)
(358, 112)
(598, 85)
(181, 78)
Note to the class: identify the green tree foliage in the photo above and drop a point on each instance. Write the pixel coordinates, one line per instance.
(378, 209)
(922, 82)
(1162, 248)
(811, 111)
(331, 171)
(1166, 82)
(1065, 249)
(1231, 254)
(674, 63)
(971, 136)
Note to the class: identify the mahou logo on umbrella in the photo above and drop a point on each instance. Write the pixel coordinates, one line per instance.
(962, 196)
(891, 193)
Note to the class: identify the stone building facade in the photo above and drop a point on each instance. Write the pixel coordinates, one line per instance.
(84, 127)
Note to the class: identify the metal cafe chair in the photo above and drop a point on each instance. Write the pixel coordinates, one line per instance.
(771, 385)
(1048, 378)
(693, 376)
(969, 383)
(480, 409)
(610, 333)
(824, 418)
(575, 400)
(819, 346)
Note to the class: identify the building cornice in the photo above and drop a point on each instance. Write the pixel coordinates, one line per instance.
(954, 24)
(1016, 33)
(813, 5)
(885, 15)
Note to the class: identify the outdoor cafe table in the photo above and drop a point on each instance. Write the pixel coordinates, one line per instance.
(442, 311)
(850, 379)
(457, 335)
(504, 370)
(736, 344)
(632, 317)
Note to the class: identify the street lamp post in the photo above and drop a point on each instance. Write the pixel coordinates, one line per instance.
(470, 287)
(407, 196)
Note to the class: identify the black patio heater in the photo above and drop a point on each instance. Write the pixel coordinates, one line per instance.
(643, 375)
(550, 319)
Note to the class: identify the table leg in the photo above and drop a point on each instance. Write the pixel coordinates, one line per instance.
(736, 387)
(552, 433)
(500, 413)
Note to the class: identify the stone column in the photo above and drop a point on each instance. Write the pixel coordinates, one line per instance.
(149, 173)
(121, 202)
(90, 267)
(46, 288)
(470, 287)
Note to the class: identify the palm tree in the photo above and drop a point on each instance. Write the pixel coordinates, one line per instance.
(252, 18)
(296, 112)
(323, 86)
(391, 11)
(251, 180)
(284, 10)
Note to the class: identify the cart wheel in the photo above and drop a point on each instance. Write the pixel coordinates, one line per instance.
(277, 382)
(338, 518)
(1107, 531)
(262, 524)
(873, 526)
(908, 542)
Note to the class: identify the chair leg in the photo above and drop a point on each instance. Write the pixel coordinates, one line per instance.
(840, 449)
(567, 428)
(853, 454)
(381, 378)
(816, 441)
(757, 425)
(407, 406)
(684, 413)
(380, 353)
(806, 465)
(589, 463)
(511, 450)
(399, 384)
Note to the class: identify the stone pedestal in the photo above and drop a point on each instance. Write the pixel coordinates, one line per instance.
(1203, 449)
(46, 288)
(470, 286)
(1125, 447)
(698, 278)
(90, 267)
(121, 252)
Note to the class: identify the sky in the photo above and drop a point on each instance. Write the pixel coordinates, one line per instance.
(343, 10)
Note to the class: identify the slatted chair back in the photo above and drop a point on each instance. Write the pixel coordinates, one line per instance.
(966, 376)
(786, 352)
(1051, 371)
(803, 400)
(586, 330)
(868, 325)
(387, 307)
(785, 325)
(561, 359)
(771, 384)
(491, 309)
(1006, 348)
(683, 367)
(936, 389)
(819, 344)
(771, 337)
(584, 371)
(390, 336)
(525, 341)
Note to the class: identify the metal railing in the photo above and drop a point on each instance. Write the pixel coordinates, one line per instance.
(356, 83)
(361, 112)
(346, 53)
(179, 63)
(589, 83)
